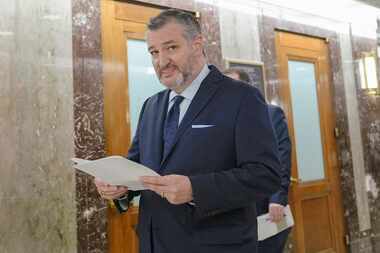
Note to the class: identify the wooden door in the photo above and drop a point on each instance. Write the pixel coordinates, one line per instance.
(123, 24)
(306, 97)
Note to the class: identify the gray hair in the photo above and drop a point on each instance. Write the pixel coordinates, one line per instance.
(188, 21)
(241, 73)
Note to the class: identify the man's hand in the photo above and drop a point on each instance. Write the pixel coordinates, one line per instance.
(175, 188)
(276, 212)
(108, 191)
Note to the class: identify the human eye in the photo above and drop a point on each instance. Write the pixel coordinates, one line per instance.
(153, 52)
(172, 47)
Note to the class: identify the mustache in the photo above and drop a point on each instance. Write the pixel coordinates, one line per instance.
(167, 66)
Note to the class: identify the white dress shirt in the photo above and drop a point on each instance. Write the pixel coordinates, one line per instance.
(189, 93)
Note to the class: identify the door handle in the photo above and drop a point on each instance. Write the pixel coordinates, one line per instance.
(295, 180)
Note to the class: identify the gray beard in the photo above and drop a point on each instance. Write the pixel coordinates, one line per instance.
(180, 81)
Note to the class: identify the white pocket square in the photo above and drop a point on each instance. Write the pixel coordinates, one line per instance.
(201, 126)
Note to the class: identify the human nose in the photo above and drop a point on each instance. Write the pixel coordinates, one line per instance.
(163, 60)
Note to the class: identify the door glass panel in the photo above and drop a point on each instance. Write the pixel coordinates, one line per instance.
(142, 80)
(306, 120)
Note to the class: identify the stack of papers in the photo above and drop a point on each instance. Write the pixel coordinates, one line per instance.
(267, 228)
(115, 170)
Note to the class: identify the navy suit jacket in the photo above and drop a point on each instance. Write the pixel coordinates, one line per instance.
(231, 164)
(282, 134)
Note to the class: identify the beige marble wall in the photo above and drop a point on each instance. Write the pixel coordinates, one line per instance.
(37, 192)
(239, 32)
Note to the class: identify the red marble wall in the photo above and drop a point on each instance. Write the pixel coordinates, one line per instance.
(88, 122)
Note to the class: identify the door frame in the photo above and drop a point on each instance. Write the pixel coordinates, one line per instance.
(325, 90)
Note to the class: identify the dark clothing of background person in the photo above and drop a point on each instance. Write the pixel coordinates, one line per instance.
(276, 244)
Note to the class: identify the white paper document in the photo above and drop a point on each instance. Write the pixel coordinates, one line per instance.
(115, 170)
(267, 228)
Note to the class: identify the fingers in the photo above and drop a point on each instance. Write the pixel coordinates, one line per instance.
(276, 217)
(114, 190)
(276, 212)
(113, 194)
(160, 184)
(156, 184)
(176, 189)
(99, 182)
(108, 191)
(163, 191)
(154, 180)
(159, 188)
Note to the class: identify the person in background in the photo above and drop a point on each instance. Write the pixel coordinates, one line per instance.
(210, 139)
(276, 203)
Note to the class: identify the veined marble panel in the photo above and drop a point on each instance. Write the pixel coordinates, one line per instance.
(369, 113)
(239, 35)
(37, 190)
(354, 133)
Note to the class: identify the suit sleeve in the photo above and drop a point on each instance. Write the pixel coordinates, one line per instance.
(284, 147)
(122, 203)
(256, 175)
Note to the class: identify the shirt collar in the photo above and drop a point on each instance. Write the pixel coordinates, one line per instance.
(192, 89)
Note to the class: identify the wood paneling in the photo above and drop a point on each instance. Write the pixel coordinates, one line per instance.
(122, 235)
(116, 118)
(135, 13)
(317, 224)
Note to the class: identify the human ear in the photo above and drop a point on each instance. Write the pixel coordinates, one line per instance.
(198, 43)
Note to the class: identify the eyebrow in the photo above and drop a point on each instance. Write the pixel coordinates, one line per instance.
(165, 43)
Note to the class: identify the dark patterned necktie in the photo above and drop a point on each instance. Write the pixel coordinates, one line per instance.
(171, 124)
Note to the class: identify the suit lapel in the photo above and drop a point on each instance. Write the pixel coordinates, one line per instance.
(207, 89)
(157, 147)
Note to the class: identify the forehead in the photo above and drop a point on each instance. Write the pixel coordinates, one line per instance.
(169, 32)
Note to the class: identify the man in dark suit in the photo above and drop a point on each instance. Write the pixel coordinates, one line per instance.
(277, 202)
(211, 140)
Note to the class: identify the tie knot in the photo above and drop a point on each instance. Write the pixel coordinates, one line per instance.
(177, 100)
